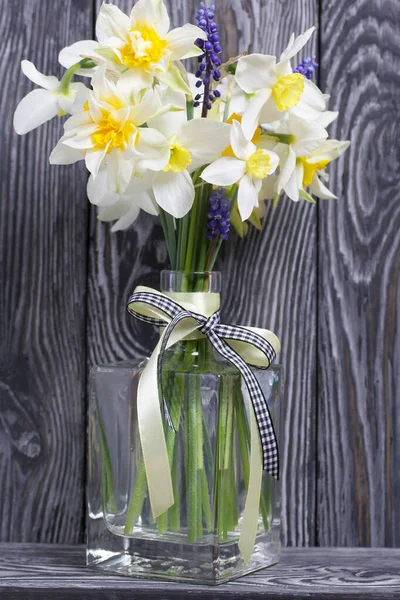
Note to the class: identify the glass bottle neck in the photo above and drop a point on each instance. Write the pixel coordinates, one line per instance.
(198, 292)
(191, 282)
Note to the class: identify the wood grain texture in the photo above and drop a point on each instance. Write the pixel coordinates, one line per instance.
(43, 225)
(48, 571)
(278, 266)
(359, 301)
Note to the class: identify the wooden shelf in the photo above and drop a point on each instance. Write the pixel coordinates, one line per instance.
(59, 572)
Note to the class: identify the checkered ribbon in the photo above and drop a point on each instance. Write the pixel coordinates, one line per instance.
(217, 334)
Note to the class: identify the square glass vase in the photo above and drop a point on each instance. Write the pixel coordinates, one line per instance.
(196, 540)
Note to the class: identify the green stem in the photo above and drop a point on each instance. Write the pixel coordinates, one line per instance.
(192, 232)
(174, 514)
(183, 230)
(85, 63)
(200, 241)
(192, 459)
(137, 499)
(175, 411)
(167, 222)
(219, 475)
(108, 491)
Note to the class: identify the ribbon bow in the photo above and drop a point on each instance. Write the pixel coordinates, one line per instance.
(242, 346)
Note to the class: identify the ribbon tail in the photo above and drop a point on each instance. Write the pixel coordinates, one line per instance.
(252, 507)
(152, 438)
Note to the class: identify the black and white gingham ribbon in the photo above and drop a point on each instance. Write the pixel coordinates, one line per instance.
(217, 334)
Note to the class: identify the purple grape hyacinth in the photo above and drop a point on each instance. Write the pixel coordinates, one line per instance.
(208, 72)
(218, 215)
(307, 67)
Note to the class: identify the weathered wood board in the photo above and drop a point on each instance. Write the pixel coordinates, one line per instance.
(51, 571)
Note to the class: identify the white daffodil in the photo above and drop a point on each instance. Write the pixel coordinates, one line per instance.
(312, 168)
(40, 106)
(192, 144)
(274, 87)
(141, 47)
(109, 132)
(248, 167)
(300, 137)
(123, 208)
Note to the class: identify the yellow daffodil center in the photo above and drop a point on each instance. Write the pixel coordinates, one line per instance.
(256, 137)
(258, 164)
(144, 48)
(287, 91)
(179, 158)
(311, 168)
(113, 133)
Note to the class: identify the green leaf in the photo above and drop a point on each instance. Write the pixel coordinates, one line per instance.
(255, 220)
(237, 223)
(275, 200)
(306, 196)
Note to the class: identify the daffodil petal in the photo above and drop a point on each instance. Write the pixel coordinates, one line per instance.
(146, 202)
(308, 135)
(181, 40)
(126, 220)
(247, 197)
(288, 166)
(35, 109)
(174, 192)
(97, 191)
(327, 117)
(81, 95)
(47, 82)
(151, 12)
(252, 113)
(64, 155)
(154, 149)
(255, 72)
(312, 102)
(224, 171)
(269, 112)
(119, 171)
(144, 111)
(320, 190)
(134, 80)
(94, 159)
(115, 211)
(296, 44)
(70, 55)
(241, 146)
(112, 22)
(205, 139)
(328, 150)
(173, 79)
(292, 186)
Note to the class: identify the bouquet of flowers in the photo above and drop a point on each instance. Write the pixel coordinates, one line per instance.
(203, 151)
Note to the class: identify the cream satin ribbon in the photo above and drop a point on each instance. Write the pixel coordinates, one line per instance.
(150, 419)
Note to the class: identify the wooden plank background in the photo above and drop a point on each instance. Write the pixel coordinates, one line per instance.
(324, 277)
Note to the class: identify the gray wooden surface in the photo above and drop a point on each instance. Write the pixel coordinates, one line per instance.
(52, 571)
(359, 239)
(43, 231)
(332, 300)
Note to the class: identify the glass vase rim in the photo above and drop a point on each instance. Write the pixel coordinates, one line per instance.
(186, 272)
